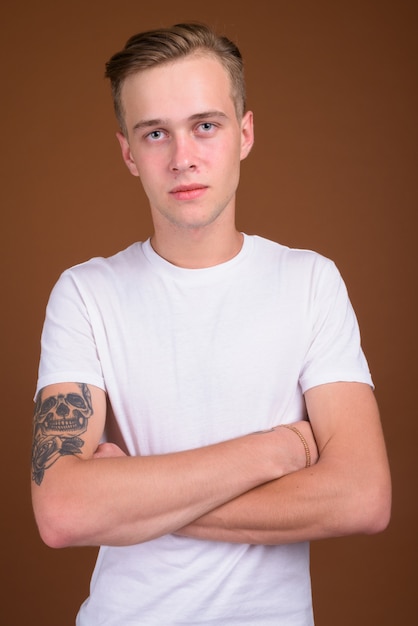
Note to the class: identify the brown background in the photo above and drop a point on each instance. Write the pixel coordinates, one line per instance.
(333, 88)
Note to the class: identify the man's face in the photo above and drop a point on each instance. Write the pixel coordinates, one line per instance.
(184, 141)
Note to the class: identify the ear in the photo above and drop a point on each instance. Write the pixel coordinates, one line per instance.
(247, 134)
(127, 154)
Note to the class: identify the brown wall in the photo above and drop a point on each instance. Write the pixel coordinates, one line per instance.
(333, 88)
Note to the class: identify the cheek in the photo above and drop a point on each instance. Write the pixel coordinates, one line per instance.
(228, 160)
(149, 171)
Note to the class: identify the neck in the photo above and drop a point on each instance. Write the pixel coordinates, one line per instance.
(197, 248)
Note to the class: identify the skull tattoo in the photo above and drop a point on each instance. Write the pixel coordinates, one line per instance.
(59, 422)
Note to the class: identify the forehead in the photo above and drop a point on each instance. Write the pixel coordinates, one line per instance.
(177, 90)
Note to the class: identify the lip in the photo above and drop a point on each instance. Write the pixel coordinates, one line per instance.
(188, 192)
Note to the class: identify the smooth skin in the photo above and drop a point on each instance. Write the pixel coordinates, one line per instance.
(185, 142)
(100, 496)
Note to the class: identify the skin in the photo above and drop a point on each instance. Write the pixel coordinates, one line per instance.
(186, 145)
(186, 149)
(347, 492)
(97, 495)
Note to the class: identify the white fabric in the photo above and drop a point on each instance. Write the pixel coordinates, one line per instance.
(189, 358)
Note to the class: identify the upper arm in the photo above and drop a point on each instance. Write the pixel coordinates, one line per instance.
(69, 420)
(346, 423)
(344, 411)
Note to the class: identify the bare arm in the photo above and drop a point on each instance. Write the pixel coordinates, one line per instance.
(82, 496)
(348, 491)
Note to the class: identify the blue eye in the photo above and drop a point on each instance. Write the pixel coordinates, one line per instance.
(155, 134)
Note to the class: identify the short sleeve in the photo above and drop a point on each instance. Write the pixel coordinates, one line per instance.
(334, 353)
(68, 348)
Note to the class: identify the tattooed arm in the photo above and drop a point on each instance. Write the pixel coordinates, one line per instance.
(59, 422)
(84, 497)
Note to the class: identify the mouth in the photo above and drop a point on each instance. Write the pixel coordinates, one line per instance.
(188, 192)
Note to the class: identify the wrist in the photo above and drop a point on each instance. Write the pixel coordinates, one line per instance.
(308, 457)
(288, 453)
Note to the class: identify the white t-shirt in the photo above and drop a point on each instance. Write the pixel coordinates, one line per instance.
(189, 358)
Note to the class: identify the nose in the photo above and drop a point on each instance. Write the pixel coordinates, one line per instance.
(183, 155)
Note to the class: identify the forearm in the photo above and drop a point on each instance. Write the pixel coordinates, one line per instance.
(314, 503)
(348, 491)
(127, 500)
(286, 510)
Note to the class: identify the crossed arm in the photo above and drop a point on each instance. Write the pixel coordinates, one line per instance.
(348, 491)
(252, 489)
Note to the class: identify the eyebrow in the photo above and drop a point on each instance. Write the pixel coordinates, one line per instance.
(163, 122)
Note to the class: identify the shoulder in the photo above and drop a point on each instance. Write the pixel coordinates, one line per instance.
(293, 261)
(99, 279)
(115, 264)
(103, 271)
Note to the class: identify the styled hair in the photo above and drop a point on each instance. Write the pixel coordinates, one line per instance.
(156, 47)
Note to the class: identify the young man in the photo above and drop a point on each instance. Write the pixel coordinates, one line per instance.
(167, 369)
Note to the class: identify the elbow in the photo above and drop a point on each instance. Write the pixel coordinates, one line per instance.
(374, 509)
(53, 538)
(365, 510)
(53, 532)
(378, 515)
(56, 524)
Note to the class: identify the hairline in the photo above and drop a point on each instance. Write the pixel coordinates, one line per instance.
(203, 52)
